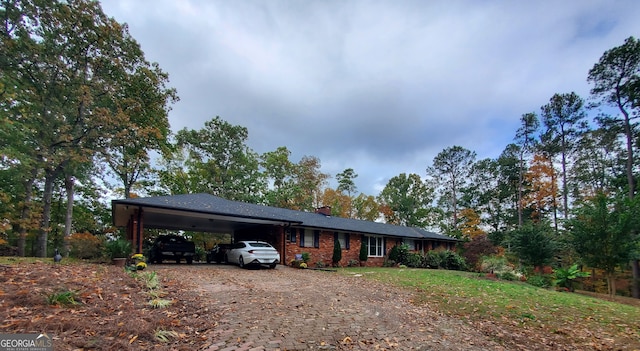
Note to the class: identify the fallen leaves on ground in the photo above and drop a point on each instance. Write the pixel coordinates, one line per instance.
(111, 310)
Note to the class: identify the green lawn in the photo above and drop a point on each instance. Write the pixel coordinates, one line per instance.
(471, 296)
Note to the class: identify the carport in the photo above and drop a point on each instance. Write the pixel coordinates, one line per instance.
(199, 213)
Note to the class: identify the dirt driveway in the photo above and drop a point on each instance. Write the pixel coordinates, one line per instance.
(293, 309)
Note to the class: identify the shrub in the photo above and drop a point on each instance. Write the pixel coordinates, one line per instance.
(364, 251)
(414, 260)
(507, 275)
(540, 281)
(337, 253)
(475, 249)
(85, 245)
(119, 248)
(494, 264)
(200, 255)
(353, 263)
(445, 259)
(399, 253)
(565, 276)
(451, 260)
(306, 257)
(432, 260)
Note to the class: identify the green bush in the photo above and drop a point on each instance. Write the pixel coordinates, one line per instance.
(200, 255)
(399, 253)
(119, 248)
(364, 251)
(507, 275)
(432, 260)
(306, 256)
(540, 281)
(451, 260)
(445, 259)
(414, 260)
(494, 264)
(337, 253)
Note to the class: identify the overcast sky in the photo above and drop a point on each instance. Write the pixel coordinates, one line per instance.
(377, 86)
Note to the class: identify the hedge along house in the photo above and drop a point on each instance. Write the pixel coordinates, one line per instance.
(290, 232)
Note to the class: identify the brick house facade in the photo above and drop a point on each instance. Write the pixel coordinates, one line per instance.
(290, 232)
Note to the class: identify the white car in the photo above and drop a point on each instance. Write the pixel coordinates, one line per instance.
(245, 253)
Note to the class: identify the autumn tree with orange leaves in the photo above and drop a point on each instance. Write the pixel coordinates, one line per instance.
(542, 194)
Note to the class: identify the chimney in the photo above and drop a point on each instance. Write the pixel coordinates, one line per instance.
(325, 210)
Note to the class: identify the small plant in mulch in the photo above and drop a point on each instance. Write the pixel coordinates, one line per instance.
(64, 298)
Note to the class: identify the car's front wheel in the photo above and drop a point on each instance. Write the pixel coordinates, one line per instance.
(241, 262)
(272, 266)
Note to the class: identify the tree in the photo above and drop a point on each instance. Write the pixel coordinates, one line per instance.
(366, 207)
(603, 233)
(406, 200)
(280, 173)
(615, 82)
(221, 162)
(346, 183)
(470, 226)
(564, 118)
(450, 170)
(339, 202)
(533, 244)
(63, 62)
(309, 182)
(598, 164)
(142, 104)
(543, 188)
(525, 139)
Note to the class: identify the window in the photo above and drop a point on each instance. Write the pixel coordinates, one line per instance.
(343, 239)
(376, 246)
(292, 234)
(310, 238)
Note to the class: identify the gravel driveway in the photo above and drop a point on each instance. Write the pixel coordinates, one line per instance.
(294, 309)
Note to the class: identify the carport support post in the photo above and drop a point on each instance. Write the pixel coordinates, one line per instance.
(135, 230)
(139, 231)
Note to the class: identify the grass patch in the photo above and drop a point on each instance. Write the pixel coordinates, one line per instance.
(470, 296)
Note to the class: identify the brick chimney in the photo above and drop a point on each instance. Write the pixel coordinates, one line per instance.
(325, 210)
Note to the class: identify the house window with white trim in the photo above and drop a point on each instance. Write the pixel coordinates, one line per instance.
(376, 246)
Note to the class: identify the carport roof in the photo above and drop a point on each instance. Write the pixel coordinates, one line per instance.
(209, 213)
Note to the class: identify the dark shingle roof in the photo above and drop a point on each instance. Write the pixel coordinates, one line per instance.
(214, 205)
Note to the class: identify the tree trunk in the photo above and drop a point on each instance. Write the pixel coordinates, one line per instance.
(611, 282)
(635, 286)
(635, 283)
(68, 184)
(41, 248)
(25, 213)
(520, 178)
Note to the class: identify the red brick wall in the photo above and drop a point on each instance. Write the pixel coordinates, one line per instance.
(324, 253)
(277, 237)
